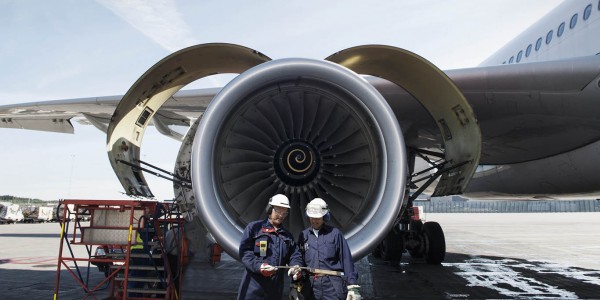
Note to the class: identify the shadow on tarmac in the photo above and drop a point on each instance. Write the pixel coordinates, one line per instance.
(34, 284)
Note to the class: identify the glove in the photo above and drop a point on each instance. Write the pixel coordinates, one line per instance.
(295, 272)
(267, 270)
(295, 292)
(353, 292)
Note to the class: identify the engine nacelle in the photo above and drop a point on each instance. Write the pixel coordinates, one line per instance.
(304, 128)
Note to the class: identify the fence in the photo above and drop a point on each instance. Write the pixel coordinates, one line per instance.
(478, 206)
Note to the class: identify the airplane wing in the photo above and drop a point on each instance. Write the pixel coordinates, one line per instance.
(57, 115)
(525, 111)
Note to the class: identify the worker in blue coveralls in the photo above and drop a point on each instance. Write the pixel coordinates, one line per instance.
(265, 246)
(324, 247)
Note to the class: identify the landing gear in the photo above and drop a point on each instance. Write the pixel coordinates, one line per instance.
(392, 247)
(421, 240)
(414, 240)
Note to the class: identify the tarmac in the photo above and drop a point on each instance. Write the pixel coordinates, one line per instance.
(489, 256)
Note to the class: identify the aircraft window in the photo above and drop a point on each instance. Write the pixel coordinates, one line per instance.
(573, 21)
(528, 50)
(587, 12)
(512, 58)
(561, 29)
(549, 36)
(538, 44)
(519, 56)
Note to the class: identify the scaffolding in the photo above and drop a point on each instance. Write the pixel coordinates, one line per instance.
(131, 247)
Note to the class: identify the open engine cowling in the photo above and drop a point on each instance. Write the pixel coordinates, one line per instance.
(305, 128)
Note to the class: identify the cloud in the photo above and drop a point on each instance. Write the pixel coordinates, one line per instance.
(158, 20)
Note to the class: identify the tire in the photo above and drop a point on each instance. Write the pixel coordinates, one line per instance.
(435, 243)
(391, 247)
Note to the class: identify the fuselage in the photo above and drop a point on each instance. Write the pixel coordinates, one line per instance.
(569, 30)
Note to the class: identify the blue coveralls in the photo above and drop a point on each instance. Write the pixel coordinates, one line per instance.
(328, 251)
(281, 250)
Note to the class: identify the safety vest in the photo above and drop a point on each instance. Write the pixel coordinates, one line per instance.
(139, 243)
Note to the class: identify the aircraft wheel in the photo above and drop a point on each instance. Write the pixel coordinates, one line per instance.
(391, 247)
(435, 243)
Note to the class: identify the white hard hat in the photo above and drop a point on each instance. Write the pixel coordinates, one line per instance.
(317, 208)
(279, 200)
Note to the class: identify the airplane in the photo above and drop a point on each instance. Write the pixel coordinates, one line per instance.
(368, 128)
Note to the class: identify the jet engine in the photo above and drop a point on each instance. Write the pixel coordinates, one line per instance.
(301, 127)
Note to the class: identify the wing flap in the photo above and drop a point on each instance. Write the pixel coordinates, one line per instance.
(56, 124)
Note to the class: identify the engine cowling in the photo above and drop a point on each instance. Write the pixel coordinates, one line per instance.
(305, 128)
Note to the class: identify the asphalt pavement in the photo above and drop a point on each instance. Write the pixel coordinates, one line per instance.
(489, 256)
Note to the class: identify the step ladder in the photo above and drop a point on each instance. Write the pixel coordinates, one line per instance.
(130, 254)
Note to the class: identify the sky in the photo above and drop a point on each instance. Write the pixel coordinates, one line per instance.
(67, 49)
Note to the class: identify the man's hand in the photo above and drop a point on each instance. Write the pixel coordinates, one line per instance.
(295, 272)
(353, 292)
(267, 270)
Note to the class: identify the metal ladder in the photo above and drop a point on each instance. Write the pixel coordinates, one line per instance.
(114, 225)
